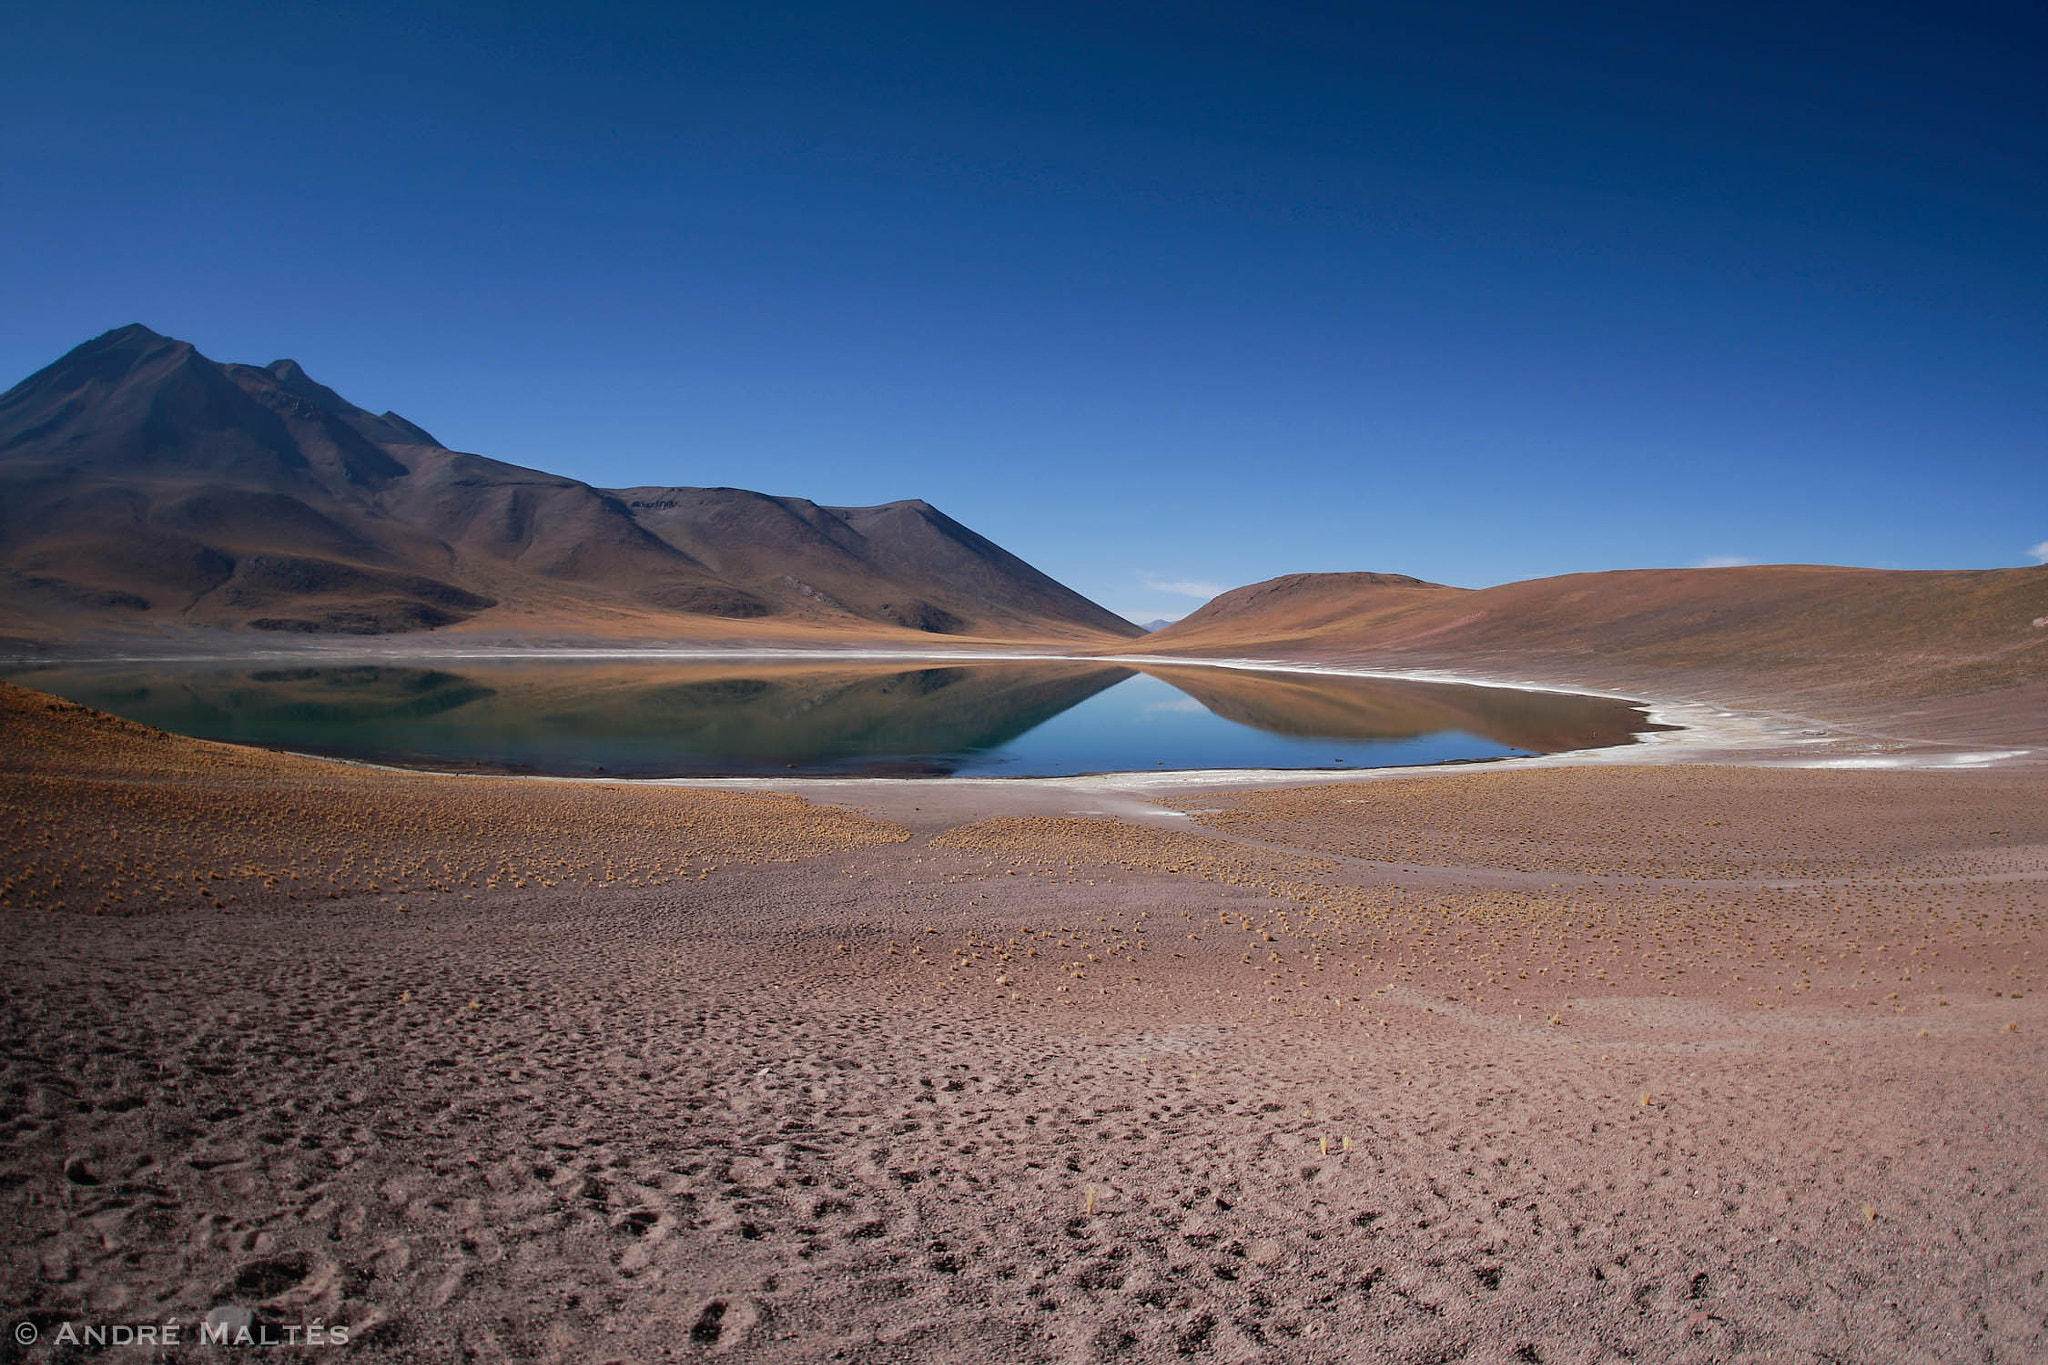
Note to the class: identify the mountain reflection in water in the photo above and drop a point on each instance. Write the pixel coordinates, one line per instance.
(739, 717)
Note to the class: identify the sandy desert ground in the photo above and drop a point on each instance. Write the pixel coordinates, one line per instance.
(1661, 1063)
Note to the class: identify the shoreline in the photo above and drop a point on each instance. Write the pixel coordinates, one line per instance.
(1685, 730)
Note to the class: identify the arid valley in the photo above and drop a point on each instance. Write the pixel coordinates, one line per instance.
(1668, 1061)
(899, 683)
(1724, 1043)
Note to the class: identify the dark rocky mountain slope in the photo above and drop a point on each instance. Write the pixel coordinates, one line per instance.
(144, 487)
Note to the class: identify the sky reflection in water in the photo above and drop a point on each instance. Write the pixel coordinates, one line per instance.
(648, 719)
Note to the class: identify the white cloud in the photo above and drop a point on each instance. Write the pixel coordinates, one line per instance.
(1183, 587)
(1722, 562)
(2039, 554)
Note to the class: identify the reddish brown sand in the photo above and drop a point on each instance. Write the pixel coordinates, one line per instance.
(1672, 1064)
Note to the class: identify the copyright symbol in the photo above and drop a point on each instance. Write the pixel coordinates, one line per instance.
(25, 1333)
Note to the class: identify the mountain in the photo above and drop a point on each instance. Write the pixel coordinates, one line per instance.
(144, 487)
(903, 563)
(1157, 623)
(1842, 640)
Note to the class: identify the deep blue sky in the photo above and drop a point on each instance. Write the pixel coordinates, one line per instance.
(1176, 294)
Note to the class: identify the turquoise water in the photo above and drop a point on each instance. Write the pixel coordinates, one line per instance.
(740, 717)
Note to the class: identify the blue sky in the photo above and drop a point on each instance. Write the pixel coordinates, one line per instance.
(1165, 298)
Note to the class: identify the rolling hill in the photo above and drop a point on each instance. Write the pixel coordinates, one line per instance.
(1967, 648)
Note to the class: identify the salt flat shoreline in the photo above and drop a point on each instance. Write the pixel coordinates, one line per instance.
(1690, 730)
(1544, 1060)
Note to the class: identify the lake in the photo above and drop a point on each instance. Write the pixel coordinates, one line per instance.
(738, 716)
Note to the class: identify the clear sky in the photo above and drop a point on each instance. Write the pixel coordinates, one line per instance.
(1163, 297)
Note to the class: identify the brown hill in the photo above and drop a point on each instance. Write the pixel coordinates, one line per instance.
(1300, 606)
(1838, 641)
(144, 487)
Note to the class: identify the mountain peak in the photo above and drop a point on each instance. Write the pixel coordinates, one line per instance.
(419, 434)
(132, 332)
(113, 353)
(292, 376)
(99, 367)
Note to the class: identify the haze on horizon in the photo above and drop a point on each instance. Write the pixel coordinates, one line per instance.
(1165, 301)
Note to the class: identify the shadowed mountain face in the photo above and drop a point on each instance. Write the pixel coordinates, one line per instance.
(142, 484)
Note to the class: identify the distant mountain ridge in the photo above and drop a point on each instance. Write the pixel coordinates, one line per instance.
(143, 484)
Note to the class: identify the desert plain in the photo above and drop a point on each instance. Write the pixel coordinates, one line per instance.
(1686, 1054)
